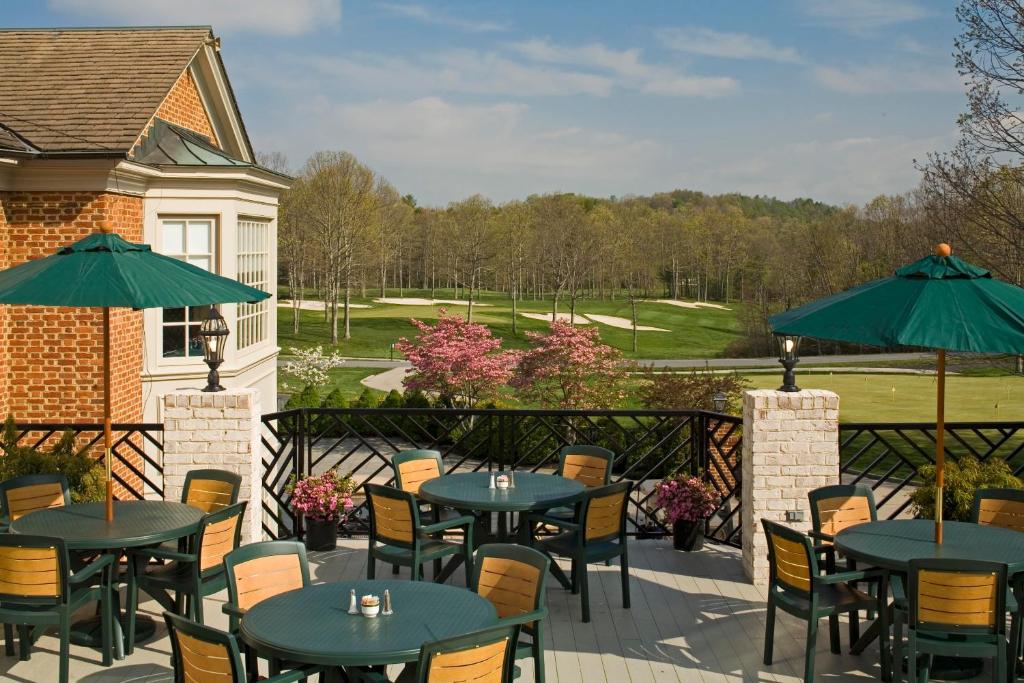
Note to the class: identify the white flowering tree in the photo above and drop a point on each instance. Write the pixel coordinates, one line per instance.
(311, 366)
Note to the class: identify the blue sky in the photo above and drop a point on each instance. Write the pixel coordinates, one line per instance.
(830, 99)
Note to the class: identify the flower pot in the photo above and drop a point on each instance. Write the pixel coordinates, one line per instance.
(321, 534)
(687, 535)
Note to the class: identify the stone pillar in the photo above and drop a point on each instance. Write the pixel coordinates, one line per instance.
(790, 446)
(218, 430)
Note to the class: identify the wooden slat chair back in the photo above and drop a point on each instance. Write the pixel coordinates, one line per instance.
(957, 596)
(21, 495)
(589, 465)
(201, 654)
(480, 657)
(33, 570)
(211, 490)
(834, 508)
(791, 559)
(604, 513)
(394, 516)
(511, 577)
(414, 467)
(219, 534)
(262, 570)
(999, 507)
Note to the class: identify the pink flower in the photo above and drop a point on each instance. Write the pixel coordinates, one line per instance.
(686, 498)
(318, 496)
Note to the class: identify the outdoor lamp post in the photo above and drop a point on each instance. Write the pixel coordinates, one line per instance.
(718, 401)
(789, 347)
(214, 333)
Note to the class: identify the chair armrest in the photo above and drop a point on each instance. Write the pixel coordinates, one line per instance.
(846, 577)
(91, 569)
(233, 610)
(553, 521)
(899, 592)
(294, 675)
(462, 520)
(821, 536)
(163, 554)
(525, 618)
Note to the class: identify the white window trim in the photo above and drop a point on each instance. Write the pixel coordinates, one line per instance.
(216, 267)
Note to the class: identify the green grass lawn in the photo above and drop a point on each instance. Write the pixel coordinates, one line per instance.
(871, 398)
(693, 333)
(345, 379)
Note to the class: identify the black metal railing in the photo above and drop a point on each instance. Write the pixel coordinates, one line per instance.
(887, 456)
(137, 451)
(649, 445)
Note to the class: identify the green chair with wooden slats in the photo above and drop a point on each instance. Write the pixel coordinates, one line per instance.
(796, 585)
(37, 589)
(30, 492)
(598, 536)
(589, 465)
(201, 654)
(414, 467)
(398, 538)
(512, 578)
(486, 656)
(834, 508)
(999, 507)
(190, 575)
(209, 490)
(955, 608)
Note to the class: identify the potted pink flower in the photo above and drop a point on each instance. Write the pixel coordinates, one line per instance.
(324, 502)
(687, 502)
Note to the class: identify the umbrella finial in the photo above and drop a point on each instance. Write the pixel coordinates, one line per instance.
(943, 249)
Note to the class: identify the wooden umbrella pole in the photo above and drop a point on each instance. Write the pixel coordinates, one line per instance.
(940, 439)
(107, 436)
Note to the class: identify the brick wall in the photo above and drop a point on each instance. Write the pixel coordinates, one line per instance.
(184, 107)
(52, 367)
(790, 447)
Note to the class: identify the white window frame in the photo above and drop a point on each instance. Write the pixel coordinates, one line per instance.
(253, 268)
(186, 254)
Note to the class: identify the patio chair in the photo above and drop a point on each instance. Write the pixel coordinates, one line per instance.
(259, 571)
(398, 538)
(834, 508)
(208, 490)
(797, 586)
(589, 465)
(412, 468)
(512, 578)
(952, 607)
(191, 575)
(598, 536)
(30, 492)
(37, 589)
(200, 653)
(999, 507)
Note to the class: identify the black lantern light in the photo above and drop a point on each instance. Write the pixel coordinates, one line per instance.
(214, 333)
(789, 347)
(718, 401)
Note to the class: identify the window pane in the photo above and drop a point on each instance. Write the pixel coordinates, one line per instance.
(199, 237)
(200, 261)
(173, 242)
(195, 344)
(174, 315)
(174, 341)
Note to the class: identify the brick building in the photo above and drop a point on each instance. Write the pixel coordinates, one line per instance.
(134, 130)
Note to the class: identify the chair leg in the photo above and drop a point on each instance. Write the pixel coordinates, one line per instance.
(107, 624)
(584, 591)
(371, 567)
(252, 665)
(394, 569)
(437, 568)
(810, 647)
(197, 606)
(854, 627)
(769, 632)
(8, 640)
(24, 642)
(833, 634)
(896, 665)
(624, 561)
(575, 577)
(911, 657)
(926, 670)
(537, 646)
(1000, 668)
(65, 646)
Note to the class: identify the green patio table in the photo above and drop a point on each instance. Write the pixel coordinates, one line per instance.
(84, 527)
(892, 544)
(312, 625)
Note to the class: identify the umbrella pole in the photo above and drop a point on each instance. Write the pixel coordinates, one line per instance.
(107, 437)
(940, 438)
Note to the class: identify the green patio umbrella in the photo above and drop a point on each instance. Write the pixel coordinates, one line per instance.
(105, 271)
(939, 302)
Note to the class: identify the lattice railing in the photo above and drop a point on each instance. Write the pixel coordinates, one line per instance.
(648, 444)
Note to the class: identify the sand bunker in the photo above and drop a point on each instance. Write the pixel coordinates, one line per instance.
(318, 305)
(623, 323)
(546, 317)
(691, 304)
(414, 301)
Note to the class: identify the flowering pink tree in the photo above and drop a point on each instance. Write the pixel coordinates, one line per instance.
(570, 368)
(458, 360)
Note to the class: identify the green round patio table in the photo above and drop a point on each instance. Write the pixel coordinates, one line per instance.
(892, 544)
(84, 527)
(312, 625)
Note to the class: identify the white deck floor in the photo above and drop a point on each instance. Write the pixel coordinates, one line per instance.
(694, 618)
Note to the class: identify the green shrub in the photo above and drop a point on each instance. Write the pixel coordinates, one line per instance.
(85, 475)
(963, 478)
(416, 399)
(309, 397)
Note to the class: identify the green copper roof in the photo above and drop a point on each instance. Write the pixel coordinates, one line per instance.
(167, 144)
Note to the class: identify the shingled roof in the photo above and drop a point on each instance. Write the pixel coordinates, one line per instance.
(90, 90)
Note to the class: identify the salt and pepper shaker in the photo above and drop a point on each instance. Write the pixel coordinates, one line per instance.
(386, 611)
(492, 485)
(353, 604)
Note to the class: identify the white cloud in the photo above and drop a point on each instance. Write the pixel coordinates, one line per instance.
(879, 79)
(293, 18)
(628, 68)
(701, 40)
(863, 15)
(426, 15)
